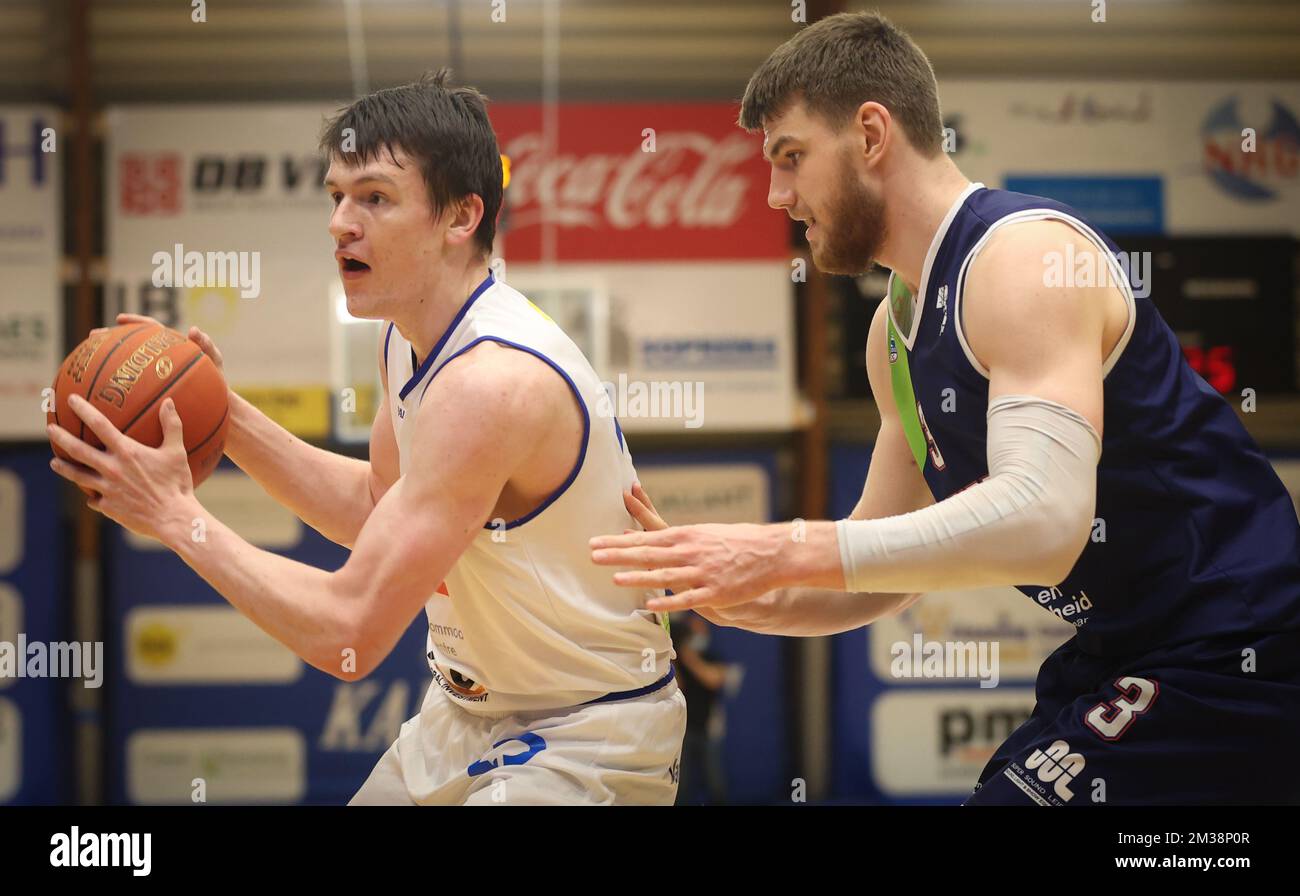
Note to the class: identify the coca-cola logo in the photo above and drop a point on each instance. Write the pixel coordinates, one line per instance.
(690, 180)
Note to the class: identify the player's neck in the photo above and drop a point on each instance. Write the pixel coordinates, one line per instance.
(429, 316)
(918, 200)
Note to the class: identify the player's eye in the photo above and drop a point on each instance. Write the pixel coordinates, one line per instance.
(376, 198)
(793, 158)
(336, 197)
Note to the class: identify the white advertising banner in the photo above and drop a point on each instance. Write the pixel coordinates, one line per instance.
(937, 741)
(692, 346)
(1215, 157)
(31, 244)
(238, 190)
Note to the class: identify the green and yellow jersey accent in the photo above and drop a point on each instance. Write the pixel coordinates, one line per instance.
(900, 377)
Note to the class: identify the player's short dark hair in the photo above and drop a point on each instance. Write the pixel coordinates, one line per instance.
(444, 129)
(841, 62)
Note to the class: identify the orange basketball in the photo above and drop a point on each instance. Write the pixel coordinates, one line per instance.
(126, 371)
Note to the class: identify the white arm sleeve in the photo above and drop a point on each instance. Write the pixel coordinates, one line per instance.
(1023, 525)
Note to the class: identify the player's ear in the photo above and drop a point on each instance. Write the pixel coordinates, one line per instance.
(875, 126)
(465, 214)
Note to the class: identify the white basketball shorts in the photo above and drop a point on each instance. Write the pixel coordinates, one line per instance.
(624, 752)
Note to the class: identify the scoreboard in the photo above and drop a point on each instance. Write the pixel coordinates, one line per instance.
(1230, 300)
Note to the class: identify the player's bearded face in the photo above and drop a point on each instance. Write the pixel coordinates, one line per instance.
(853, 225)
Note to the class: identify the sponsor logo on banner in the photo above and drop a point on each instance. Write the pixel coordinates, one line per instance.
(708, 493)
(1074, 107)
(1256, 173)
(637, 181)
(11, 749)
(1023, 633)
(934, 742)
(235, 766)
(181, 644)
(166, 182)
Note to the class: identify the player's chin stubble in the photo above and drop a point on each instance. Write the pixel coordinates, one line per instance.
(856, 231)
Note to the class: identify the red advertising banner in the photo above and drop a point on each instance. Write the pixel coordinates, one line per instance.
(637, 182)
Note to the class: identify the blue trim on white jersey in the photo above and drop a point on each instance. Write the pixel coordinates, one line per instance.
(455, 322)
(388, 337)
(637, 692)
(586, 420)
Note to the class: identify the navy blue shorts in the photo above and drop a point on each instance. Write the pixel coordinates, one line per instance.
(1212, 722)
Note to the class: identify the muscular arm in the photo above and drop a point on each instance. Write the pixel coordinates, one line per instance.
(894, 485)
(1043, 347)
(418, 528)
(331, 493)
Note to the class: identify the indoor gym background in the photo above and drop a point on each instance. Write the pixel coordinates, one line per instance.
(175, 127)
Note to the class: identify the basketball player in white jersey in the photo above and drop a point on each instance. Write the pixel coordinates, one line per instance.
(490, 469)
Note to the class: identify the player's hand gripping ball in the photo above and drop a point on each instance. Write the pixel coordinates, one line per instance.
(126, 371)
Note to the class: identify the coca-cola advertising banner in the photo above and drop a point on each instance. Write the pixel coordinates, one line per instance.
(636, 182)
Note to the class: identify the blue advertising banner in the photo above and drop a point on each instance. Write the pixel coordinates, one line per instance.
(205, 707)
(752, 707)
(1117, 205)
(35, 730)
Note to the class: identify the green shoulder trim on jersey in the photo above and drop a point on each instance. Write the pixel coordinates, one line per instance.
(900, 377)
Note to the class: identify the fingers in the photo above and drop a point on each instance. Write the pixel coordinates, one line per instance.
(640, 494)
(100, 425)
(641, 557)
(662, 538)
(76, 473)
(205, 343)
(173, 429)
(649, 520)
(682, 600)
(126, 317)
(80, 452)
(672, 578)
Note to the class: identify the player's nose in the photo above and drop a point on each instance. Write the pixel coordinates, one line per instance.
(779, 192)
(344, 226)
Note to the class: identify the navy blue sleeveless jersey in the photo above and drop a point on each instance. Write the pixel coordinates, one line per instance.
(1195, 536)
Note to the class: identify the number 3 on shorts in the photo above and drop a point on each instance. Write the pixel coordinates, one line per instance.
(1111, 719)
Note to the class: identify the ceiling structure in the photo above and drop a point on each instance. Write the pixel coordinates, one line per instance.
(152, 51)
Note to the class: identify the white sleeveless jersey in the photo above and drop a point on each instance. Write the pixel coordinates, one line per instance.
(524, 619)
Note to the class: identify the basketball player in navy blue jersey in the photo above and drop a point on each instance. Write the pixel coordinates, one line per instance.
(1019, 417)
